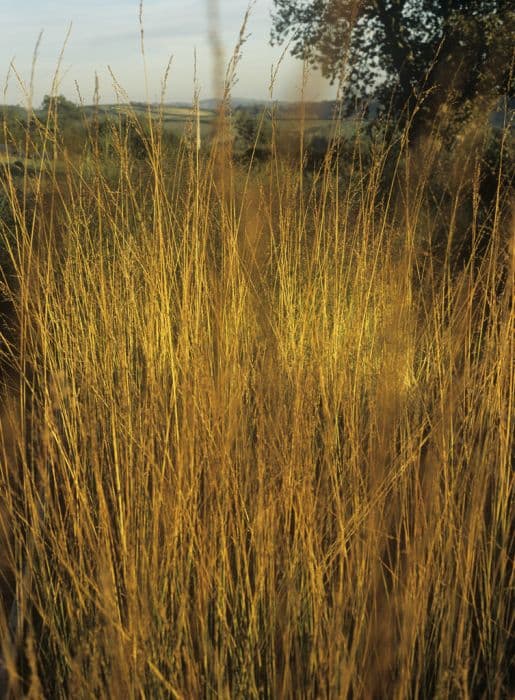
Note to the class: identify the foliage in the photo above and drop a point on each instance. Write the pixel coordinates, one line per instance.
(407, 53)
(254, 133)
(58, 107)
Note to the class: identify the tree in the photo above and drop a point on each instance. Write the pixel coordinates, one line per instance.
(453, 52)
(59, 106)
(247, 127)
(254, 133)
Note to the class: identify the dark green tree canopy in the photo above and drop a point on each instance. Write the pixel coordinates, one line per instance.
(453, 51)
(61, 106)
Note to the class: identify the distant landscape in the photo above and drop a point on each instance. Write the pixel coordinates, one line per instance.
(176, 116)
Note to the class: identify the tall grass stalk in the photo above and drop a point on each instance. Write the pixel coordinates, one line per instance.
(255, 442)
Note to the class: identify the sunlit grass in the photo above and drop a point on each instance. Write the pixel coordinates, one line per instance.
(256, 442)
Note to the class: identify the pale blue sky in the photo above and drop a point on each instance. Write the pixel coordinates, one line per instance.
(106, 33)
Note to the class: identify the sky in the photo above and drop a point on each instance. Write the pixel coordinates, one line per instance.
(105, 34)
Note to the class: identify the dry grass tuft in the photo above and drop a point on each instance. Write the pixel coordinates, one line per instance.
(258, 443)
